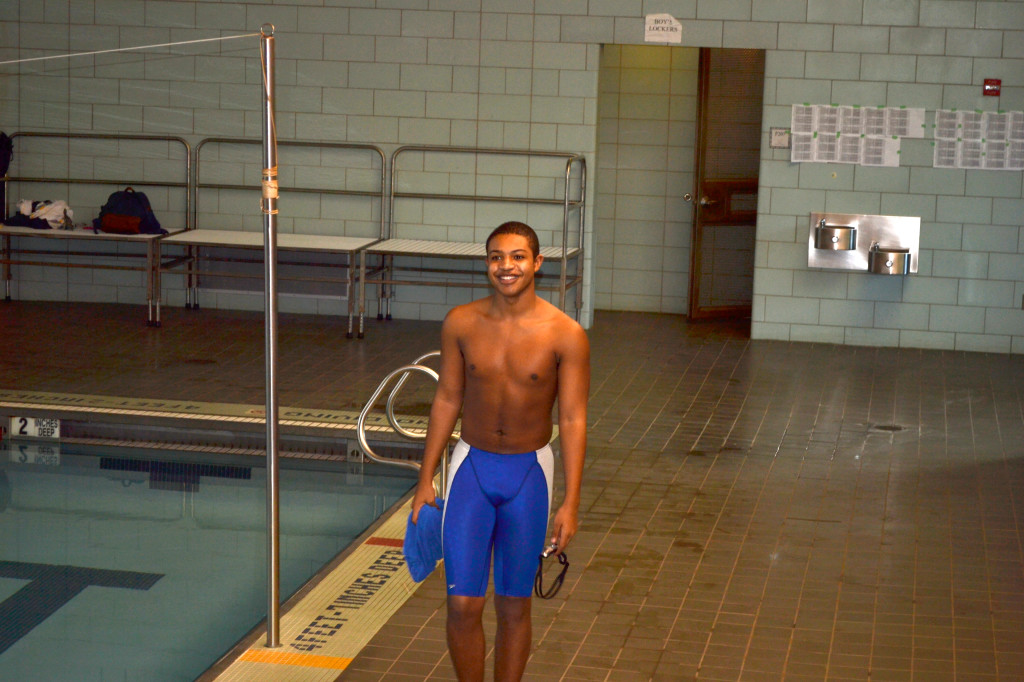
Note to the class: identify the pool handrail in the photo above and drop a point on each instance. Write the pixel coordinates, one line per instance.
(390, 407)
(403, 373)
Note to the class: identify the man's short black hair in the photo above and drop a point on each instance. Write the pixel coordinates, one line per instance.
(516, 227)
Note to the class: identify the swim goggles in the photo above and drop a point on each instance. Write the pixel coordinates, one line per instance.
(556, 584)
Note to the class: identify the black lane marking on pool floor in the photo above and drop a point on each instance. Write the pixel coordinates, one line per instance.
(52, 586)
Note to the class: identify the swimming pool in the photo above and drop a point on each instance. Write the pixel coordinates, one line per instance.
(129, 564)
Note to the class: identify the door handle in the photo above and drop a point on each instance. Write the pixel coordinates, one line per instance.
(704, 201)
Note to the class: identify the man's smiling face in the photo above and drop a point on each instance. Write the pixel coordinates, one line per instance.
(511, 264)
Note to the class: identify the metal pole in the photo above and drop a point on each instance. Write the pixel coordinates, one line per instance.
(269, 208)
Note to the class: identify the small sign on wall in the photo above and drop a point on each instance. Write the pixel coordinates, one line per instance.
(35, 427)
(778, 138)
(662, 28)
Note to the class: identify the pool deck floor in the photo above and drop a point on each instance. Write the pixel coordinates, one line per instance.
(752, 510)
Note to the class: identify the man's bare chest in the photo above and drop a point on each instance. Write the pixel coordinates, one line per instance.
(514, 360)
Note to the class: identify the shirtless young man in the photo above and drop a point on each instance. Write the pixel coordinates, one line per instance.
(505, 359)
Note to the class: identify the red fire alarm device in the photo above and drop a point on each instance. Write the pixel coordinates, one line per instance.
(991, 87)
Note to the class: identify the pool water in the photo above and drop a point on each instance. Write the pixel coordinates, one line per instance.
(129, 564)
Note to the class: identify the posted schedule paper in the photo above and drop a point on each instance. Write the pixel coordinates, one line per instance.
(866, 136)
(983, 140)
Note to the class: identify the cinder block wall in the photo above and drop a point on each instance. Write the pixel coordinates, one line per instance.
(524, 73)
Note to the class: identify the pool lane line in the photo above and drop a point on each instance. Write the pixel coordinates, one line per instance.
(76, 403)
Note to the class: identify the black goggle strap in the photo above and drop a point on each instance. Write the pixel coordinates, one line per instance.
(538, 581)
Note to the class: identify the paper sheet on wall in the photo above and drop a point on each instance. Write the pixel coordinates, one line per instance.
(987, 140)
(801, 147)
(881, 151)
(945, 154)
(869, 136)
(904, 122)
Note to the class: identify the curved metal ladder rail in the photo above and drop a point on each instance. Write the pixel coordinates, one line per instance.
(403, 373)
(390, 406)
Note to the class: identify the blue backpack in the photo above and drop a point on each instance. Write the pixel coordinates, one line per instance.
(127, 212)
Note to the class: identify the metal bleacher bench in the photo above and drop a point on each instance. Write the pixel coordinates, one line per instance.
(222, 250)
(82, 168)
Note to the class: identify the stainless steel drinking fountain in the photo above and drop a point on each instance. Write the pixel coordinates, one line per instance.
(888, 261)
(878, 244)
(835, 237)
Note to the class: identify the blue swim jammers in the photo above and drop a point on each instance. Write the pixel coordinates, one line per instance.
(495, 503)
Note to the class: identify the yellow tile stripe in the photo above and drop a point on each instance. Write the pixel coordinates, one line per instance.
(338, 617)
(289, 658)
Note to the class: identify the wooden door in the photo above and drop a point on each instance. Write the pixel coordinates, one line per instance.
(730, 91)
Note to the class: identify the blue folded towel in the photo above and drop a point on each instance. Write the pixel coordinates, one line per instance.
(422, 545)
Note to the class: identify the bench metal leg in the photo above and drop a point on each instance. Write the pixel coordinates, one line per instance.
(192, 278)
(384, 296)
(152, 249)
(7, 267)
(350, 290)
(157, 279)
(362, 290)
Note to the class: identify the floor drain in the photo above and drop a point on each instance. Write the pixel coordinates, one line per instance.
(887, 427)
